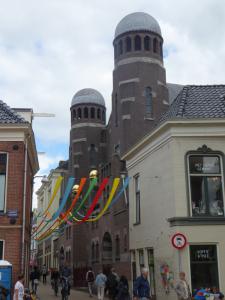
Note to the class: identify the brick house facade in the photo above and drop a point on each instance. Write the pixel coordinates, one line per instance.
(18, 165)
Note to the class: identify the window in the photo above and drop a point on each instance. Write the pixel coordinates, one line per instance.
(120, 47)
(86, 113)
(116, 111)
(92, 112)
(79, 113)
(103, 116)
(1, 250)
(148, 96)
(74, 114)
(117, 149)
(115, 51)
(206, 188)
(128, 44)
(134, 269)
(3, 169)
(93, 251)
(107, 247)
(137, 43)
(125, 243)
(147, 43)
(97, 252)
(117, 256)
(99, 113)
(151, 267)
(137, 199)
(93, 155)
(155, 45)
(161, 49)
(141, 259)
(204, 266)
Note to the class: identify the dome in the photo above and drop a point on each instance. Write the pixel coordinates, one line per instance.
(88, 96)
(137, 21)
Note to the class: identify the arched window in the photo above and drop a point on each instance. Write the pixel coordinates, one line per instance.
(147, 43)
(93, 251)
(120, 47)
(93, 156)
(128, 44)
(115, 51)
(148, 95)
(107, 247)
(74, 114)
(86, 113)
(161, 49)
(97, 252)
(99, 113)
(79, 113)
(155, 45)
(103, 116)
(103, 136)
(137, 43)
(117, 246)
(92, 112)
(116, 111)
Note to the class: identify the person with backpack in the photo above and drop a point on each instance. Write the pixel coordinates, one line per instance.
(44, 274)
(112, 284)
(90, 278)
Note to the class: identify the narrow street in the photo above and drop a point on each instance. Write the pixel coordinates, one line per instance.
(46, 293)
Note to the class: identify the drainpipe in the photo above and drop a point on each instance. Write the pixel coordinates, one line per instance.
(24, 205)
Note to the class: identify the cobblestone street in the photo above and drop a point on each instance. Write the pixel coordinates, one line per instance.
(46, 293)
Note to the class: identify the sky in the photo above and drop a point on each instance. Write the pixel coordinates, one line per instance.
(51, 49)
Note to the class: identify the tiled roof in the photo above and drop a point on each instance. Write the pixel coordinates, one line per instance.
(197, 101)
(173, 89)
(8, 116)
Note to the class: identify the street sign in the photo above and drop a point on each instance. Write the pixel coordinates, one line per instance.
(179, 241)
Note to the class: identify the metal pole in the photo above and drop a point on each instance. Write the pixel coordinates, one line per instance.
(179, 261)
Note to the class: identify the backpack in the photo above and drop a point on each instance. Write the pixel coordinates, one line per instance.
(90, 276)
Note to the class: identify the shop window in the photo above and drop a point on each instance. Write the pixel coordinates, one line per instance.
(92, 112)
(3, 169)
(128, 44)
(137, 43)
(137, 199)
(151, 267)
(147, 43)
(117, 256)
(148, 99)
(204, 266)
(86, 113)
(1, 250)
(206, 185)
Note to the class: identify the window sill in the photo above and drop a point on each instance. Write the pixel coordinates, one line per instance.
(149, 118)
(138, 223)
(196, 221)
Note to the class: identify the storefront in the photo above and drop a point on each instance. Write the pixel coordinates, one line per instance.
(204, 266)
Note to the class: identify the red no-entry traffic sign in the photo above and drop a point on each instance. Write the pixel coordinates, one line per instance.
(179, 241)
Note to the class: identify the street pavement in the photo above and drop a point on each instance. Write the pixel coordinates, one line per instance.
(45, 292)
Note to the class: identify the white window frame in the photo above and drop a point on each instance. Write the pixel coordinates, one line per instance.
(211, 174)
(3, 249)
(6, 179)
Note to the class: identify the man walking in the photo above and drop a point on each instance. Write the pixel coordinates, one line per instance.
(112, 284)
(19, 288)
(90, 278)
(44, 274)
(100, 282)
(182, 288)
(141, 286)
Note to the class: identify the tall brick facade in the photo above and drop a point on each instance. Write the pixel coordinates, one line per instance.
(17, 142)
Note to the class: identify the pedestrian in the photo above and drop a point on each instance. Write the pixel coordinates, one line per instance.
(123, 289)
(19, 288)
(182, 288)
(112, 284)
(66, 275)
(100, 282)
(90, 278)
(44, 274)
(36, 278)
(217, 294)
(141, 286)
